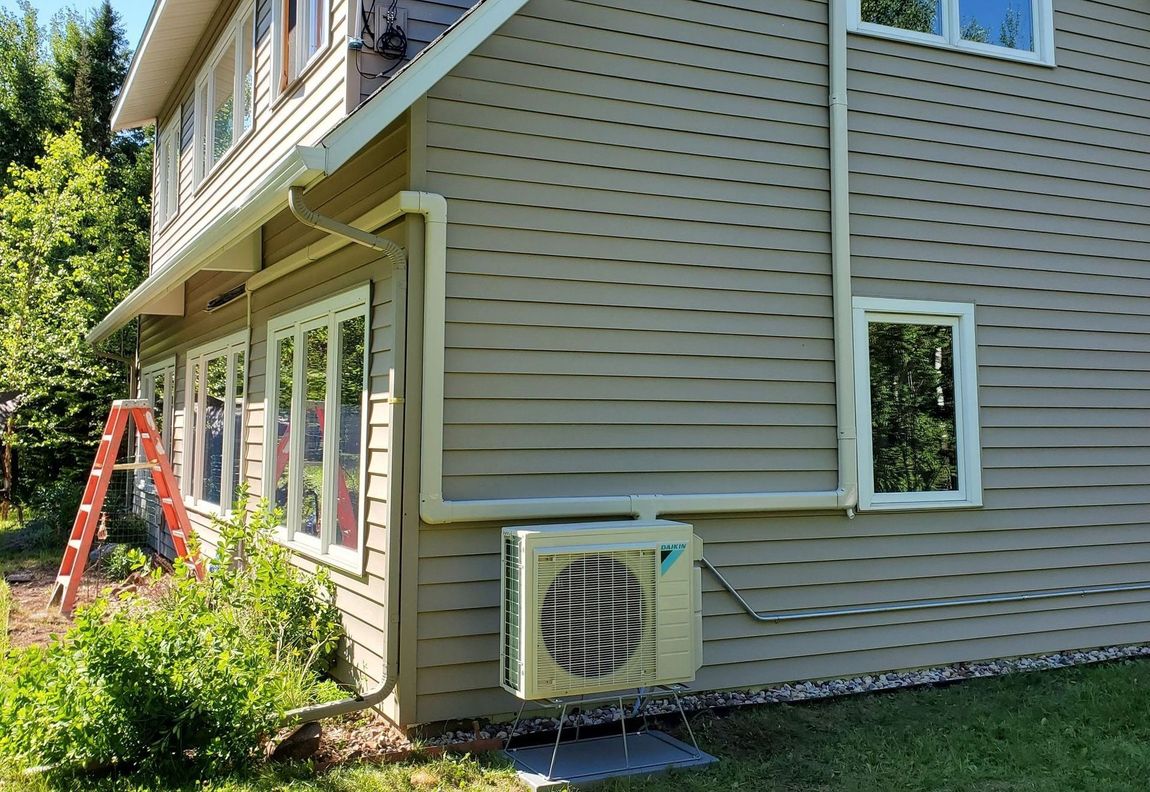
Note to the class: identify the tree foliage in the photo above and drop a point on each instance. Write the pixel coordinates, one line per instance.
(913, 407)
(74, 216)
(66, 262)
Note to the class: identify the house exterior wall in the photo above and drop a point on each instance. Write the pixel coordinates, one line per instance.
(380, 170)
(300, 117)
(639, 302)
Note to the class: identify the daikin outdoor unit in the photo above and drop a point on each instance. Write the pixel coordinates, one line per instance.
(598, 607)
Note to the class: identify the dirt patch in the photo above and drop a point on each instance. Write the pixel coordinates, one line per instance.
(32, 621)
(362, 736)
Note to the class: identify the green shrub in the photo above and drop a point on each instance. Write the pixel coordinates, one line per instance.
(205, 672)
(122, 560)
(55, 506)
(5, 611)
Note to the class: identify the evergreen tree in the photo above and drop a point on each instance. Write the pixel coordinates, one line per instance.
(28, 94)
(91, 61)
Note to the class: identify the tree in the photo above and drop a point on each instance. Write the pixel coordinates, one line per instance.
(66, 261)
(919, 15)
(28, 93)
(91, 58)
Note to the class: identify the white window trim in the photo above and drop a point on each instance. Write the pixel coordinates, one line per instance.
(960, 316)
(234, 34)
(1042, 11)
(328, 312)
(284, 86)
(192, 479)
(168, 173)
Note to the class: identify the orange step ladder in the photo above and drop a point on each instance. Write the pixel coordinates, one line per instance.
(139, 412)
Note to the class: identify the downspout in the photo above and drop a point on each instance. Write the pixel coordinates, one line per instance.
(397, 256)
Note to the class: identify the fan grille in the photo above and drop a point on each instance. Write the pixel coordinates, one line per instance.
(596, 619)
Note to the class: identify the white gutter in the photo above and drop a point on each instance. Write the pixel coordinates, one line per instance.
(434, 509)
(303, 166)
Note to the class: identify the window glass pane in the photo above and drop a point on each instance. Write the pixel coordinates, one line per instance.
(315, 394)
(913, 412)
(223, 102)
(285, 356)
(291, 41)
(159, 399)
(352, 339)
(247, 42)
(202, 114)
(314, 27)
(923, 16)
(1006, 23)
(187, 476)
(237, 422)
(215, 406)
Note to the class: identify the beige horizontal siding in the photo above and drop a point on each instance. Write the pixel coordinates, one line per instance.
(638, 302)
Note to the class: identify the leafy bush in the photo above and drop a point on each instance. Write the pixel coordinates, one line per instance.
(205, 672)
(122, 560)
(55, 506)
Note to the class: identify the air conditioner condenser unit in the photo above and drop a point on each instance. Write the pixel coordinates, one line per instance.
(596, 607)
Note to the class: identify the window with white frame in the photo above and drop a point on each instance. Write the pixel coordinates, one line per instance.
(157, 384)
(917, 392)
(316, 408)
(214, 414)
(225, 93)
(1017, 29)
(302, 27)
(167, 200)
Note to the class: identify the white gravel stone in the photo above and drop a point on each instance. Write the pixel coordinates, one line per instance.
(809, 691)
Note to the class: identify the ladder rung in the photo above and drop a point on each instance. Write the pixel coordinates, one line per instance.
(76, 543)
(85, 507)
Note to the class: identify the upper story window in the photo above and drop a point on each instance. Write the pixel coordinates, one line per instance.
(917, 395)
(167, 199)
(1016, 29)
(302, 27)
(225, 93)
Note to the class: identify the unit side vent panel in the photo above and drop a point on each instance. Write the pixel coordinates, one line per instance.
(512, 566)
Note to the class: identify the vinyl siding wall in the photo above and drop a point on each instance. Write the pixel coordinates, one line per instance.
(377, 173)
(639, 301)
(310, 110)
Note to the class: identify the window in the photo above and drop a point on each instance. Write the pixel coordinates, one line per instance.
(1017, 29)
(917, 390)
(214, 417)
(317, 401)
(225, 94)
(157, 384)
(167, 201)
(302, 26)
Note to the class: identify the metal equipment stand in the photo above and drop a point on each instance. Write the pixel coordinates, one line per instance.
(641, 752)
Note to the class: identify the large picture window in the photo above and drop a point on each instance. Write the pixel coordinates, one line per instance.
(216, 375)
(317, 402)
(917, 391)
(225, 93)
(303, 34)
(1017, 29)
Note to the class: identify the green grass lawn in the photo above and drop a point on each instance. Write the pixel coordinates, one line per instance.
(1078, 729)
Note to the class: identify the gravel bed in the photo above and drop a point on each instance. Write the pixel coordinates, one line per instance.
(804, 691)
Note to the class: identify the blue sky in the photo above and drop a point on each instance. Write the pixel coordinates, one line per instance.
(134, 13)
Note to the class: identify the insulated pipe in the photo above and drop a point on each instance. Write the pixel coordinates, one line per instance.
(894, 607)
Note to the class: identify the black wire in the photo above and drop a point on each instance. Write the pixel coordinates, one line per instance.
(391, 45)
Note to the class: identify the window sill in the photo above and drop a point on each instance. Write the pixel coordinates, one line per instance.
(911, 506)
(971, 48)
(351, 562)
(285, 94)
